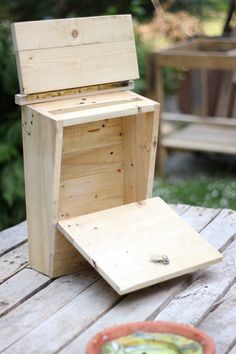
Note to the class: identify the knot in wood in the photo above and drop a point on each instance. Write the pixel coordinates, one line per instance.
(74, 33)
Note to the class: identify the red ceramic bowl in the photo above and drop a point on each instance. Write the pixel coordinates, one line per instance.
(95, 344)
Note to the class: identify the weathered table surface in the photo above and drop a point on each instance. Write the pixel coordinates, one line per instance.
(39, 315)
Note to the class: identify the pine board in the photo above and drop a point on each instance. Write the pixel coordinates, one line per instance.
(19, 287)
(12, 237)
(13, 261)
(206, 289)
(71, 53)
(41, 306)
(137, 230)
(75, 315)
(59, 32)
(77, 66)
(220, 324)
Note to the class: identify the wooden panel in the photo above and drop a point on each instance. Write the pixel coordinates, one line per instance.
(50, 96)
(92, 135)
(96, 107)
(20, 286)
(43, 305)
(129, 160)
(220, 324)
(118, 243)
(72, 53)
(12, 237)
(203, 138)
(42, 139)
(219, 278)
(90, 193)
(92, 168)
(92, 162)
(106, 112)
(13, 261)
(140, 142)
(100, 98)
(58, 33)
(76, 66)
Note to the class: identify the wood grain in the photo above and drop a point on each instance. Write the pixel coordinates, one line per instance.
(206, 289)
(12, 237)
(19, 288)
(42, 141)
(77, 66)
(157, 227)
(220, 322)
(13, 261)
(73, 53)
(58, 33)
(41, 306)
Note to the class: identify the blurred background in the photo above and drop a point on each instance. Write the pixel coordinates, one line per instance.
(193, 178)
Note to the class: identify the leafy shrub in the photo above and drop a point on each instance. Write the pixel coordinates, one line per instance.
(11, 176)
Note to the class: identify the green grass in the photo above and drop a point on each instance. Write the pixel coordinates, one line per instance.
(209, 192)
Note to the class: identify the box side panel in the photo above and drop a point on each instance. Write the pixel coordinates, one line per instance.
(140, 142)
(42, 140)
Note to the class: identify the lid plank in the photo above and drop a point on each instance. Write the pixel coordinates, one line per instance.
(73, 53)
(120, 242)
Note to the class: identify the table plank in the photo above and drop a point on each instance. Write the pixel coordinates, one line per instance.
(51, 335)
(138, 306)
(42, 305)
(222, 230)
(199, 217)
(207, 288)
(180, 208)
(13, 261)
(19, 288)
(13, 237)
(233, 350)
(220, 324)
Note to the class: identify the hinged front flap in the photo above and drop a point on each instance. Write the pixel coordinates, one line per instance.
(124, 244)
(75, 52)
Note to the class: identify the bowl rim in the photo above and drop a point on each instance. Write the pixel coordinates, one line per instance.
(95, 343)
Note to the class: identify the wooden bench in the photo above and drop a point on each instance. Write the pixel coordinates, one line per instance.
(41, 315)
(203, 133)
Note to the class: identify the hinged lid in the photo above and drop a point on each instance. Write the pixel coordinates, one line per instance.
(75, 52)
(120, 242)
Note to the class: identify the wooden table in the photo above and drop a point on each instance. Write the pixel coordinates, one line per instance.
(39, 315)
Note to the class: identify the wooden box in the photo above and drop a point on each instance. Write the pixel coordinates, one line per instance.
(89, 155)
